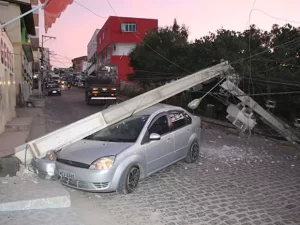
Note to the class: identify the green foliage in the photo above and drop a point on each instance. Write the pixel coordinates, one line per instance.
(264, 59)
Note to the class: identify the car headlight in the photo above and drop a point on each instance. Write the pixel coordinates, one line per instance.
(51, 155)
(104, 89)
(104, 163)
(114, 89)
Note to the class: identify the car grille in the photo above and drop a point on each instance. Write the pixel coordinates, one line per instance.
(83, 184)
(73, 163)
(101, 185)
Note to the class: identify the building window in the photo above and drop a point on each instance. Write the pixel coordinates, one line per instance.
(128, 27)
(115, 48)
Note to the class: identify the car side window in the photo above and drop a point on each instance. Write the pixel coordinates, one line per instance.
(178, 119)
(160, 126)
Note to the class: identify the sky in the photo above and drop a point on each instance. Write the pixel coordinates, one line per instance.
(75, 27)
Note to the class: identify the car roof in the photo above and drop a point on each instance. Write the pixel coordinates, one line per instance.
(157, 107)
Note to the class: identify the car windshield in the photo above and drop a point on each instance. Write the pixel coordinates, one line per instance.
(127, 130)
(53, 86)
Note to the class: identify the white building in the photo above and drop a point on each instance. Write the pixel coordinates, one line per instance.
(91, 53)
(7, 81)
(18, 32)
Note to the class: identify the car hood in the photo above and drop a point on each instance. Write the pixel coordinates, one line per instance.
(87, 151)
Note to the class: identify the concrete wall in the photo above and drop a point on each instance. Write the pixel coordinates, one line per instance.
(9, 11)
(7, 81)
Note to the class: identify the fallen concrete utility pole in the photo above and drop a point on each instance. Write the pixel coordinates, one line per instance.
(281, 127)
(89, 125)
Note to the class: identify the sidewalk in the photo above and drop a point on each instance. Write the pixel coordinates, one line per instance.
(22, 193)
(27, 125)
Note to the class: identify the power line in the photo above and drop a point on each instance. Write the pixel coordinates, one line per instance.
(274, 93)
(278, 83)
(103, 17)
(64, 57)
(61, 62)
(274, 17)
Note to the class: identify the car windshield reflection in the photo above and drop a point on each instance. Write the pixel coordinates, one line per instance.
(127, 130)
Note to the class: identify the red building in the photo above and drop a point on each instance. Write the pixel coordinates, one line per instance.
(116, 39)
(79, 64)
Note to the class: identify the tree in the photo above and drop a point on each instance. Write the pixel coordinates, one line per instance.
(265, 60)
(158, 50)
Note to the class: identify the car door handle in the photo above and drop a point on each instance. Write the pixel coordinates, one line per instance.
(188, 130)
(169, 140)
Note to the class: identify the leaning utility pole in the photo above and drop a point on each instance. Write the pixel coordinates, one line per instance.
(41, 76)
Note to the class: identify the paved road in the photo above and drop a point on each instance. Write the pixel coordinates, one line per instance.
(235, 182)
(67, 108)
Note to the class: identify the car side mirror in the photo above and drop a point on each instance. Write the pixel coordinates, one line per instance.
(154, 137)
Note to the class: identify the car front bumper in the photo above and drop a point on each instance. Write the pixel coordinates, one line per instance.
(54, 92)
(44, 168)
(85, 179)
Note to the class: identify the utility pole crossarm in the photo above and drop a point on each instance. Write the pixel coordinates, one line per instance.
(282, 128)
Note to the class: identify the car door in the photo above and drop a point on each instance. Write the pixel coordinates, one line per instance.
(159, 153)
(182, 131)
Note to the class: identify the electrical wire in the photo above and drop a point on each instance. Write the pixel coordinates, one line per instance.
(60, 61)
(103, 17)
(274, 17)
(261, 94)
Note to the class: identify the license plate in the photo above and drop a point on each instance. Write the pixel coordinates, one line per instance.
(67, 174)
(54, 91)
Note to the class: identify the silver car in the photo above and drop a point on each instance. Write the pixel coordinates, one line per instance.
(119, 156)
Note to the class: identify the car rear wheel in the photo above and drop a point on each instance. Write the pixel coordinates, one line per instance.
(129, 180)
(193, 153)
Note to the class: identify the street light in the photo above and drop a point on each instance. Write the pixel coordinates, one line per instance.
(196, 102)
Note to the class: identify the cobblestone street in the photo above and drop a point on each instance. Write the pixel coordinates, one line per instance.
(255, 189)
(236, 181)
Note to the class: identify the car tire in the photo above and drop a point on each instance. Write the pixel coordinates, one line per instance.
(129, 180)
(193, 153)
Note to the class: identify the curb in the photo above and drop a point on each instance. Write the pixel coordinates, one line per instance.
(43, 203)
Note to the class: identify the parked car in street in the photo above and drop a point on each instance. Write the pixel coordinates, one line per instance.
(50, 83)
(53, 89)
(117, 157)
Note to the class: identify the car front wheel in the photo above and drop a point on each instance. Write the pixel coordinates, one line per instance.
(129, 180)
(193, 153)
